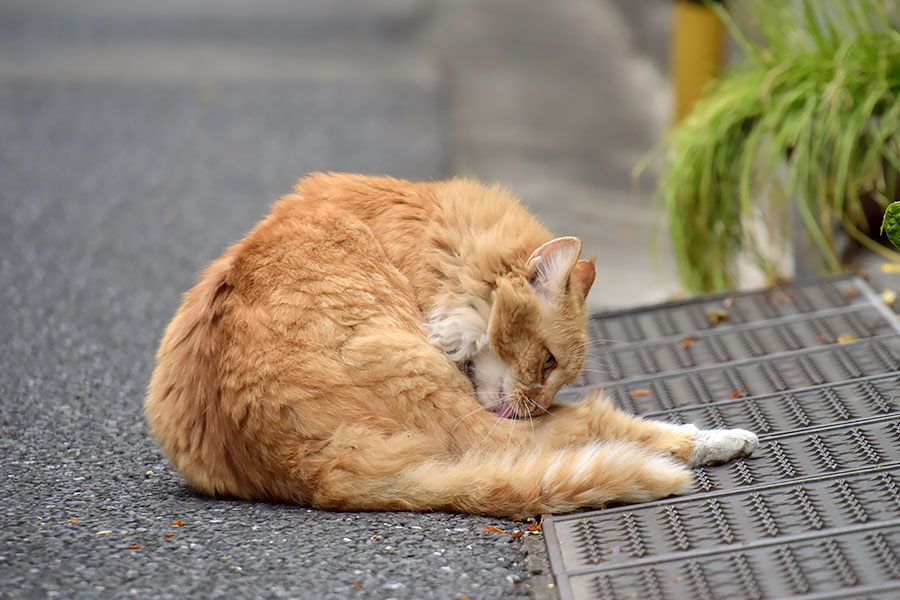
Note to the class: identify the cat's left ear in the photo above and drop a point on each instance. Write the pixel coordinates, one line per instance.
(551, 266)
(583, 274)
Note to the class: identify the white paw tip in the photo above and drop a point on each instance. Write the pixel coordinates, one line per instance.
(721, 445)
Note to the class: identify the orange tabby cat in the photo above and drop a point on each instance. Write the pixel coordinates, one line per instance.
(323, 360)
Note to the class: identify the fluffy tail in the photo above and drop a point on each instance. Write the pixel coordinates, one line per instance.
(513, 483)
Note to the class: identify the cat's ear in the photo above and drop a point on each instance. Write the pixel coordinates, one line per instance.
(550, 266)
(583, 274)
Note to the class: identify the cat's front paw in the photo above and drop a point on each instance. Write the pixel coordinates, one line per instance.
(721, 445)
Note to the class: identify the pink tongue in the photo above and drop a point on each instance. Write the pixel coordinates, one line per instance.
(506, 411)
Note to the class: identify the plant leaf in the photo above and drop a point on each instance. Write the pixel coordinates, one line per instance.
(891, 224)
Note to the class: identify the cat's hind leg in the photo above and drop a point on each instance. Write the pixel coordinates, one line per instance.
(595, 418)
(400, 473)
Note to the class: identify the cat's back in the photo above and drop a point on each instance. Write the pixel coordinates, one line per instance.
(266, 321)
(398, 208)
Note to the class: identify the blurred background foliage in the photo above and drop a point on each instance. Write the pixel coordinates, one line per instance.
(802, 133)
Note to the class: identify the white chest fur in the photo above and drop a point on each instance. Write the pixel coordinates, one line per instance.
(460, 330)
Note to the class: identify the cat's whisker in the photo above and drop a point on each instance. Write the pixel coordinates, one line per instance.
(514, 420)
(599, 357)
(536, 405)
(490, 431)
(531, 422)
(469, 414)
(594, 340)
(602, 367)
(500, 400)
(599, 342)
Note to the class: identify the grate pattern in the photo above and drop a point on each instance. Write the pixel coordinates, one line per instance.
(691, 524)
(692, 316)
(734, 343)
(814, 369)
(776, 373)
(817, 565)
(793, 409)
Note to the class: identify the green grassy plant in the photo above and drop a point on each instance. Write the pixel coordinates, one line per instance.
(811, 116)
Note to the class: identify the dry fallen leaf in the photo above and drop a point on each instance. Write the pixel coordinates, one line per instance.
(179, 523)
(737, 394)
(135, 547)
(716, 315)
(688, 341)
(171, 535)
(845, 339)
(490, 529)
(851, 293)
(536, 526)
(639, 393)
(73, 520)
(518, 533)
(778, 296)
(357, 584)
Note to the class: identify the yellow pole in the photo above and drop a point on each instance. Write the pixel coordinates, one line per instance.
(698, 53)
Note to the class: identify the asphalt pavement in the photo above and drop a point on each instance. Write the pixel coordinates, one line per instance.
(138, 141)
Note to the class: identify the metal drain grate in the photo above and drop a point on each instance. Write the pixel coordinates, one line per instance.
(812, 368)
(728, 344)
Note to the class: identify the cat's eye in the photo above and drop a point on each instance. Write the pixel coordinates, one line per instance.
(549, 362)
